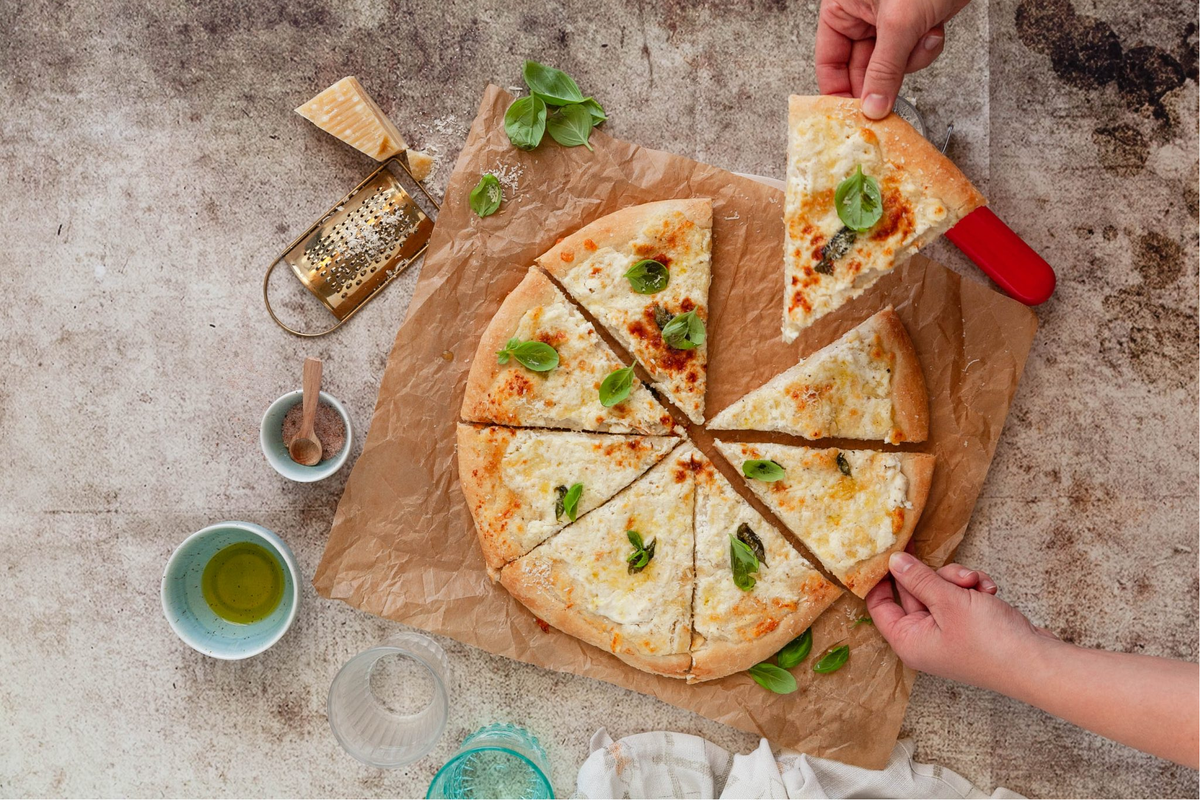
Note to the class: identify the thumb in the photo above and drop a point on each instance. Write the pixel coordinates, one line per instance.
(894, 43)
(920, 581)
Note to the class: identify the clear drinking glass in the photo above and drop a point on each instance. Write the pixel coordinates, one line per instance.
(388, 705)
(500, 760)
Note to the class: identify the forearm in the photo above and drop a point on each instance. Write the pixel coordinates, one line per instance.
(1152, 704)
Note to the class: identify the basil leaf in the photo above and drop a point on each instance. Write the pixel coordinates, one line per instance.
(843, 464)
(649, 277)
(833, 660)
(571, 126)
(570, 501)
(795, 651)
(551, 85)
(684, 332)
(862, 621)
(748, 537)
(762, 470)
(858, 202)
(486, 196)
(525, 122)
(834, 249)
(641, 555)
(596, 110)
(559, 504)
(773, 678)
(743, 563)
(616, 387)
(537, 356)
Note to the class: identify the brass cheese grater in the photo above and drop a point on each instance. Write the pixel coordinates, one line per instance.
(364, 241)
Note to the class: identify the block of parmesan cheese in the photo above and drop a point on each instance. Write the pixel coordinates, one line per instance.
(348, 112)
(420, 164)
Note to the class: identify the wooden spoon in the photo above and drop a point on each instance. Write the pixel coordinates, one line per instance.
(306, 447)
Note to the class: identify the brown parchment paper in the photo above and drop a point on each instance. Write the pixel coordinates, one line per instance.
(403, 543)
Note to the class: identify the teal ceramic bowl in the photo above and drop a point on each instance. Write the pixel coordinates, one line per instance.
(270, 436)
(188, 613)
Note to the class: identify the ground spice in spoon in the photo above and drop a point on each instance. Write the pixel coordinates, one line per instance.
(327, 425)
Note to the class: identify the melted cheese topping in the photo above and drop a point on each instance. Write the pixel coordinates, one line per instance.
(723, 611)
(568, 396)
(598, 282)
(843, 519)
(588, 565)
(535, 463)
(822, 152)
(843, 389)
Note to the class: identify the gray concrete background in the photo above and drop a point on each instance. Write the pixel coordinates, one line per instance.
(152, 167)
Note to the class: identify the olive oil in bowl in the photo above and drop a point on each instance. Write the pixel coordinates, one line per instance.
(243, 583)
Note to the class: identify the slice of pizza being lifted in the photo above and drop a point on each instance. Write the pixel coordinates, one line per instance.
(523, 485)
(541, 364)
(862, 196)
(866, 385)
(851, 508)
(621, 577)
(644, 273)
(742, 617)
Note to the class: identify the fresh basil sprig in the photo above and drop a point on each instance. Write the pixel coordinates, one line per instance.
(648, 276)
(685, 331)
(570, 122)
(773, 678)
(743, 562)
(762, 470)
(553, 86)
(843, 464)
(616, 387)
(858, 202)
(486, 196)
(833, 660)
(525, 122)
(571, 126)
(568, 501)
(537, 356)
(642, 553)
(795, 651)
(862, 621)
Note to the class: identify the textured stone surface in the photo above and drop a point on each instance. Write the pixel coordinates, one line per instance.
(152, 167)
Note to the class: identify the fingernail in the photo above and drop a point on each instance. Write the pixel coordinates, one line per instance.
(988, 586)
(932, 42)
(900, 562)
(876, 106)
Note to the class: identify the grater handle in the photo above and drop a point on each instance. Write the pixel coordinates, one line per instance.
(1004, 256)
(284, 325)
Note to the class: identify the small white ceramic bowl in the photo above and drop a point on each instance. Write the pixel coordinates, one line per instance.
(188, 613)
(270, 436)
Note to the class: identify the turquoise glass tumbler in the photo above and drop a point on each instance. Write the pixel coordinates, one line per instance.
(501, 761)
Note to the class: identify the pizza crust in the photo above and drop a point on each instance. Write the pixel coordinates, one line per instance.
(910, 400)
(526, 583)
(618, 228)
(482, 401)
(918, 469)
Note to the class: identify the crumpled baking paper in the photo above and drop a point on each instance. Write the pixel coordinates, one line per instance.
(403, 543)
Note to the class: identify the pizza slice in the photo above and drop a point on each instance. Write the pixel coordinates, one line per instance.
(541, 364)
(866, 385)
(862, 196)
(851, 508)
(621, 577)
(741, 617)
(644, 272)
(523, 485)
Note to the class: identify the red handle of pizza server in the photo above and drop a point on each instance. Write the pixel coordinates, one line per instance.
(1005, 257)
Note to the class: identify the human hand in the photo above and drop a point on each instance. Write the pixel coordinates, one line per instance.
(950, 623)
(865, 47)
